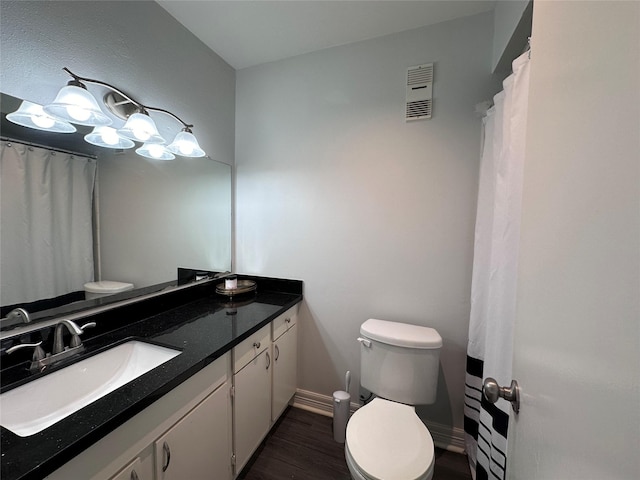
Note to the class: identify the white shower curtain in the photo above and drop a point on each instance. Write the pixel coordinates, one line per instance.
(46, 232)
(495, 262)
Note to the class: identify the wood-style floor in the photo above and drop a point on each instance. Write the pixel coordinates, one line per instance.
(301, 446)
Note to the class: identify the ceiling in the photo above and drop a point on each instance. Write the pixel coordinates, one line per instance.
(250, 32)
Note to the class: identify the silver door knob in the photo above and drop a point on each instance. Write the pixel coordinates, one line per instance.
(492, 391)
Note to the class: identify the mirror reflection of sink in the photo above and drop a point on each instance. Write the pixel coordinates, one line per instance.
(34, 406)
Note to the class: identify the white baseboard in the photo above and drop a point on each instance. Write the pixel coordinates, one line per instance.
(449, 438)
(444, 436)
(317, 403)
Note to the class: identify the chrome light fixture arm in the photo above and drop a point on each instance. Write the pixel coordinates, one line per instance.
(80, 79)
(187, 126)
(140, 106)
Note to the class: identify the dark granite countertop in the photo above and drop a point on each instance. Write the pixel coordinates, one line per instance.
(202, 325)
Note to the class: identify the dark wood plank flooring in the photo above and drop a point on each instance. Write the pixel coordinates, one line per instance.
(301, 446)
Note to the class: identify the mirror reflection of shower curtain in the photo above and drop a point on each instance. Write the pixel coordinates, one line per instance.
(495, 263)
(46, 212)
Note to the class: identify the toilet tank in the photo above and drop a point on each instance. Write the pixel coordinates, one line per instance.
(399, 361)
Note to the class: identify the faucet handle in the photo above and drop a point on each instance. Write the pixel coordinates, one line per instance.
(87, 325)
(75, 339)
(38, 352)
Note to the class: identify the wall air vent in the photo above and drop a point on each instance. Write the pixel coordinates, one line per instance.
(419, 92)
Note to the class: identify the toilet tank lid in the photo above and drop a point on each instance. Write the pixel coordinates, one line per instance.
(107, 286)
(401, 334)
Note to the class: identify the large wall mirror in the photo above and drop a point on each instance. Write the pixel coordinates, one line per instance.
(148, 217)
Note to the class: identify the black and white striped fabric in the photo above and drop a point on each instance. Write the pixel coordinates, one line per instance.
(493, 283)
(485, 427)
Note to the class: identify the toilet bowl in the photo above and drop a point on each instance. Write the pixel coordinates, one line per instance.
(105, 287)
(386, 440)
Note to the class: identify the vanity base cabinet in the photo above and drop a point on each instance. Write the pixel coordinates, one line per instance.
(265, 380)
(198, 445)
(285, 372)
(209, 426)
(132, 445)
(284, 338)
(251, 397)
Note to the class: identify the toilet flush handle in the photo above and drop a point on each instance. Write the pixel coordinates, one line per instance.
(365, 341)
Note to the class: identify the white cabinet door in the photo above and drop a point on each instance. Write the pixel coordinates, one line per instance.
(133, 471)
(252, 406)
(198, 446)
(285, 371)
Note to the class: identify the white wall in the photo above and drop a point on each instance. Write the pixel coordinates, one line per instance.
(577, 352)
(152, 221)
(375, 215)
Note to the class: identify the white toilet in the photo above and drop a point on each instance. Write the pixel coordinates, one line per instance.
(385, 439)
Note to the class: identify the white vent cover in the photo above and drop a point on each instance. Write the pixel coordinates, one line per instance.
(419, 92)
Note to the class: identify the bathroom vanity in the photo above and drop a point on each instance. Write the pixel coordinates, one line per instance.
(200, 414)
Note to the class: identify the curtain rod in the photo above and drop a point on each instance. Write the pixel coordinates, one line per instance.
(48, 147)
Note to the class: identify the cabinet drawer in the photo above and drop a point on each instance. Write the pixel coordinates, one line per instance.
(248, 349)
(284, 322)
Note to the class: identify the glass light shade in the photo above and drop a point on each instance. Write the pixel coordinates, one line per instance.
(33, 116)
(155, 151)
(141, 128)
(76, 105)
(108, 137)
(186, 145)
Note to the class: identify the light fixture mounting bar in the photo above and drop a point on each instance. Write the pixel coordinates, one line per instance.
(104, 84)
(143, 108)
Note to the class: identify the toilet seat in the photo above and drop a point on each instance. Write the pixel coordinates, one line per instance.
(387, 441)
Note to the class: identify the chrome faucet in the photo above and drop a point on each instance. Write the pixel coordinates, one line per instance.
(16, 316)
(42, 360)
(75, 330)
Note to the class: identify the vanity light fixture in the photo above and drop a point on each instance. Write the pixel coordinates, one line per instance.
(75, 104)
(185, 144)
(108, 137)
(141, 128)
(32, 115)
(155, 151)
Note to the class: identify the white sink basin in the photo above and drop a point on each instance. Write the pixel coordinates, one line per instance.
(34, 406)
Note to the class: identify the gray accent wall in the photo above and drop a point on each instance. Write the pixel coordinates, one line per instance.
(511, 28)
(134, 45)
(375, 214)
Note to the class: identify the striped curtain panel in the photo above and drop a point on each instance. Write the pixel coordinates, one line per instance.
(495, 262)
